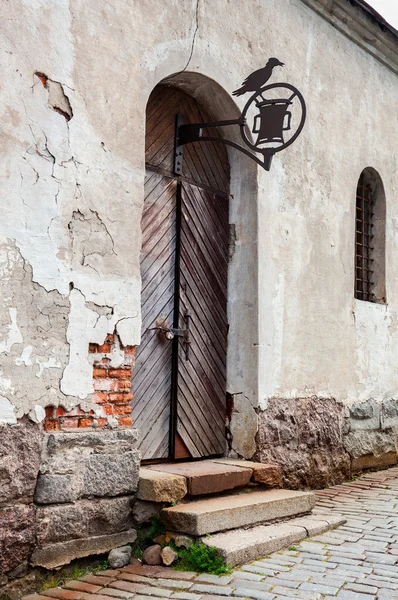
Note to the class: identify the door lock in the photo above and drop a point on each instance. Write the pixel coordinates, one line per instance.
(171, 332)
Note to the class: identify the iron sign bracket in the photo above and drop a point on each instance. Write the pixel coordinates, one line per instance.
(274, 117)
(193, 132)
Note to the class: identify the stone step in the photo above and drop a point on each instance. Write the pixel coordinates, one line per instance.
(204, 477)
(235, 510)
(243, 545)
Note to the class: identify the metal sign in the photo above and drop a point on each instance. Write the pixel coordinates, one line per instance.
(273, 117)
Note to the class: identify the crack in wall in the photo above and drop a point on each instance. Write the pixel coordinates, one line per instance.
(57, 99)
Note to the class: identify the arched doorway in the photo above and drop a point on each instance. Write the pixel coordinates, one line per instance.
(180, 387)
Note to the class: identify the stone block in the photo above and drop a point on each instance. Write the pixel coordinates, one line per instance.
(17, 535)
(304, 436)
(389, 413)
(20, 450)
(206, 476)
(52, 489)
(370, 461)
(111, 474)
(84, 518)
(362, 443)
(56, 555)
(364, 415)
(161, 487)
(87, 464)
(236, 510)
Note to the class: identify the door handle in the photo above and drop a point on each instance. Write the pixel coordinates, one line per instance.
(187, 332)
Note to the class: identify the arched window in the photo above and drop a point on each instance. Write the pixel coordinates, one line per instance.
(370, 238)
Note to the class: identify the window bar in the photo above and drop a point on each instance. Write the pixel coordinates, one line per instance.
(363, 246)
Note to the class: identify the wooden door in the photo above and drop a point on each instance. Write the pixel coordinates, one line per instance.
(179, 389)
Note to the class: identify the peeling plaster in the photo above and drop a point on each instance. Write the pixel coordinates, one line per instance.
(14, 335)
(7, 414)
(57, 99)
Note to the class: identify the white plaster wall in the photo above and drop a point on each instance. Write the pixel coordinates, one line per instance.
(72, 192)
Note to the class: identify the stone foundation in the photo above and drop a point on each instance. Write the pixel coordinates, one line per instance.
(320, 442)
(20, 447)
(305, 437)
(372, 440)
(64, 495)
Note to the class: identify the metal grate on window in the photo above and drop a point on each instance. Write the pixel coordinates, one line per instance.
(364, 242)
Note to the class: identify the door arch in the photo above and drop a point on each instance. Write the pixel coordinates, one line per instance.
(180, 388)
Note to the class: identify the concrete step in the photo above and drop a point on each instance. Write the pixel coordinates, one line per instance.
(243, 545)
(235, 510)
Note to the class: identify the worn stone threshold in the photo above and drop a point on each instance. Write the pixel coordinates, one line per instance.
(171, 482)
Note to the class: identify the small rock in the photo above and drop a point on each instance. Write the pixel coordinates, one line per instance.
(136, 562)
(168, 556)
(160, 539)
(183, 541)
(119, 557)
(152, 555)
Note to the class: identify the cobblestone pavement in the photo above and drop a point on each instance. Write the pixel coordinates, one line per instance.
(356, 561)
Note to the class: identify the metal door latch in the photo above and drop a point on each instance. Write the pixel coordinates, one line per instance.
(171, 332)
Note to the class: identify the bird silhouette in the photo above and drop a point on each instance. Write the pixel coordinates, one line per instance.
(255, 81)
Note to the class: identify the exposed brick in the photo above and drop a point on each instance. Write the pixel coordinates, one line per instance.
(104, 348)
(120, 373)
(52, 425)
(110, 338)
(86, 422)
(105, 361)
(102, 422)
(122, 409)
(70, 422)
(121, 384)
(100, 397)
(60, 412)
(125, 421)
(108, 409)
(120, 397)
(99, 373)
(49, 411)
(93, 347)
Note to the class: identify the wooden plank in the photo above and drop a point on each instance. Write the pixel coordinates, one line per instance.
(203, 290)
(151, 383)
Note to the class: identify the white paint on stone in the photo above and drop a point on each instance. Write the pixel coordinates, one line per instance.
(14, 335)
(7, 414)
(37, 414)
(25, 359)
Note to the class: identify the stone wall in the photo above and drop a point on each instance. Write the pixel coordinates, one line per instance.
(64, 495)
(372, 440)
(320, 442)
(20, 450)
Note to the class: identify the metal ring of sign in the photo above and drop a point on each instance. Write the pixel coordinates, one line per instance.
(299, 129)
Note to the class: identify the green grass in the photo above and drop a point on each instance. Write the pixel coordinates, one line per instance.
(202, 559)
(71, 572)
